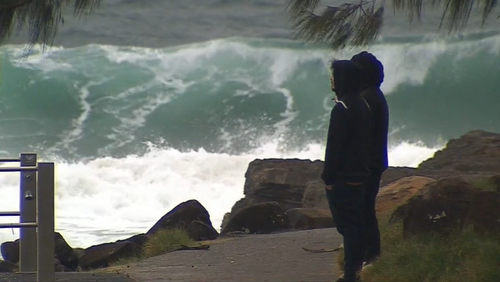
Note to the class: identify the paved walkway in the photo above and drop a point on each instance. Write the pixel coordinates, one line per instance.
(251, 258)
(68, 277)
(275, 257)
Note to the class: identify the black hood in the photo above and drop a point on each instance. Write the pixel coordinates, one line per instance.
(373, 70)
(347, 78)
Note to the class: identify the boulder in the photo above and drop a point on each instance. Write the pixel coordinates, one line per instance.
(181, 217)
(258, 218)
(475, 151)
(310, 218)
(242, 203)
(398, 192)
(314, 195)
(63, 251)
(199, 231)
(139, 239)
(6, 266)
(494, 181)
(59, 267)
(447, 205)
(294, 183)
(392, 174)
(225, 220)
(484, 213)
(104, 255)
(10, 251)
(278, 180)
(78, 253)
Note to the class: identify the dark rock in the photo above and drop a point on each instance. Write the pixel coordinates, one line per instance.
(225, 220)
(199, 231)
(278, 180)
(392, 174)
(398, 192)
(476, 151)
(495, 182)
(448, 205)
(63, 252)
(139, 239)
(425, 205)
(294, 183)
(484, 213)
(314, 195)
(259, 218)
(242, 203)
(77, 254)
(58, 267)
(104, 255)
(10, 251)
(310, 218)
(6, 266)
(181, 216)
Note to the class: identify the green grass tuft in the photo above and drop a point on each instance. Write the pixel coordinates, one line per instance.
(485, 184)
(464, 256)
(165, 241)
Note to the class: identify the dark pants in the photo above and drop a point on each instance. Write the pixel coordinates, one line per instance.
(347, 206)
(372, 232)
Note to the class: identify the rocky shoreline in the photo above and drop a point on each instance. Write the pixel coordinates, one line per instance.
(288, 195)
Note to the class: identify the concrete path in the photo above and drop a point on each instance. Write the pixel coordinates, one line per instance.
(67, 277)
(274, 257)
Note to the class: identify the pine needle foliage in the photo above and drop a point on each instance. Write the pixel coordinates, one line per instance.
(41, 18)
(358, 23)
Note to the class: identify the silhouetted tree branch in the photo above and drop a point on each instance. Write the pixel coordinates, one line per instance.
(41, 18)
(358, 23)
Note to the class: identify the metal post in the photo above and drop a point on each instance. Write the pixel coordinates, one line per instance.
(19, 225)
(28, 199)
(45, 220)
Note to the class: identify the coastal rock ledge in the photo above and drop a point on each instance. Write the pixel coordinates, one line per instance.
(459, 184)
(296, 184)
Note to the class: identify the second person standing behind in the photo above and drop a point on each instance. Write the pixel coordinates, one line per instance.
(370, 85)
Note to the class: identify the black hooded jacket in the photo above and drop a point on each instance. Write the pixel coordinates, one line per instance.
(373, 76)
(349, 133)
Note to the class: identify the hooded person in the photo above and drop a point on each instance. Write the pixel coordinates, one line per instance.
(373, 76)
(346, 166)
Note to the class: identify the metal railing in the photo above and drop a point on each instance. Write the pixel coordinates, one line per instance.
(36, 215)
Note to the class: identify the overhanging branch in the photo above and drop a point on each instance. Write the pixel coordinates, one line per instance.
(338, 26)
(358, 23)
(41, 18)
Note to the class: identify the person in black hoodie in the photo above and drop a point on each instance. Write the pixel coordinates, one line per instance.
(346, 167)
(370, 84)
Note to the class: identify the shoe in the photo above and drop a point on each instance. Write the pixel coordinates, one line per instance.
(342, 279)
(370, 260)
(366, 265)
